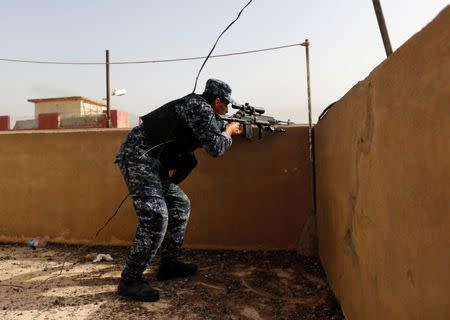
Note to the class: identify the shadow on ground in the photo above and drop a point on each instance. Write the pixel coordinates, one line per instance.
(56, 282)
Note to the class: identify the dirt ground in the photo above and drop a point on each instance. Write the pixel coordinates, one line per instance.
(55, 282)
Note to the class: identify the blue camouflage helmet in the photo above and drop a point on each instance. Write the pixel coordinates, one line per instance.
(219, 88)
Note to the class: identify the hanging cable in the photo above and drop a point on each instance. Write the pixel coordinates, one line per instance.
(110, 218)
(204, 62)
(217, 40)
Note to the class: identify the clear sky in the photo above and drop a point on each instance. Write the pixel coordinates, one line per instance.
(345, 47)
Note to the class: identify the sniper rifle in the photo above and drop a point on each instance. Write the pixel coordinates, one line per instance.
(250, 116)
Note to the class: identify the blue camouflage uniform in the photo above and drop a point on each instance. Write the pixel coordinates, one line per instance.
(165, 141)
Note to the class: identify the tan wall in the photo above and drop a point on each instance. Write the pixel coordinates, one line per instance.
(90, 109)
(62, 185)
(66, 108)
(383, 181)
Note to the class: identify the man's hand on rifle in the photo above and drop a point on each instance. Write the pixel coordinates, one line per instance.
(250, 117)
(234, 129)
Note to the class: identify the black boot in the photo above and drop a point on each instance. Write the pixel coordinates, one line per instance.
(138, 290)
(172, 268)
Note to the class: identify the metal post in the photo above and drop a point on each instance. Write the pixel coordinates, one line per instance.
(308, 242)
(108, 96)
(382, 26)
(311, 138)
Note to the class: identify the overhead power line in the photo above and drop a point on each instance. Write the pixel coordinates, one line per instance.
(150, 61)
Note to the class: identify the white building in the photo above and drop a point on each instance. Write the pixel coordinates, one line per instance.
(68, 107)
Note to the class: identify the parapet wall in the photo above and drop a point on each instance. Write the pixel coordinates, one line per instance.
(55, 120)
(383, 181)
(62, 185)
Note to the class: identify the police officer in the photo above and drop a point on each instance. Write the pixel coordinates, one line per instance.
(165, 141)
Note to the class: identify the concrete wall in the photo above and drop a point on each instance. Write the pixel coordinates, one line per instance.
(26, 124)
(68, 108)
(65, 108)
(383, 181)
(5, 123)
(62, 185)
(93, 121)
(119, 119)
(88, 108)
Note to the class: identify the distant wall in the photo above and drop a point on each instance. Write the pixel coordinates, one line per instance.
(383, 185)
(92, 121)
(66, 108)
(26, 124)
(5, 123)
(62, 185)
(119, 119)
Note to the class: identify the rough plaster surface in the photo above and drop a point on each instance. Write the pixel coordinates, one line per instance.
(383, 175)
(63, 185)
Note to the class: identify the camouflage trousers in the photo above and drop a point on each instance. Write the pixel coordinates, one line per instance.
(161, 206)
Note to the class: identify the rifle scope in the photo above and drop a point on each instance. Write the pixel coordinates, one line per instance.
(248, 109)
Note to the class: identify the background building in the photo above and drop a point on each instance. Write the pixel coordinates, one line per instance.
(67, 113)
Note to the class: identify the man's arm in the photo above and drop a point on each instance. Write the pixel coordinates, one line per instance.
(200, 117)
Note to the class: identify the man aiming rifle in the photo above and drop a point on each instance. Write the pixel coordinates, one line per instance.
(166, 141)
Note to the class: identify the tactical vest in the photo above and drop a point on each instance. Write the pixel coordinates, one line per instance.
(163, 125)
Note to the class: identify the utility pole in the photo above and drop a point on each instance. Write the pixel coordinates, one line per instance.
(382, 26)
(108, 97)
